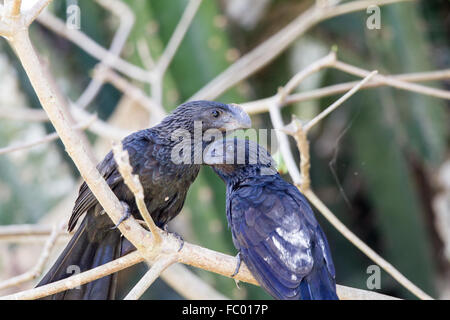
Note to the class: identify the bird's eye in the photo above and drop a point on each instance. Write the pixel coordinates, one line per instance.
(215, 113)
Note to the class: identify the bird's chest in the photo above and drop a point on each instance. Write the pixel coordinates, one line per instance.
(165, 193)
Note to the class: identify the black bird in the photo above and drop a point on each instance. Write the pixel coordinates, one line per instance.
(273, 227)
(155, 155)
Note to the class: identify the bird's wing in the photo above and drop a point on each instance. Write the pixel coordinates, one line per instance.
(86, 199)
(275, 234)
(134, 144)
(319, 235)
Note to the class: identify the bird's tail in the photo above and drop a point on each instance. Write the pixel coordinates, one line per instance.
(319, 284)
(90, 247)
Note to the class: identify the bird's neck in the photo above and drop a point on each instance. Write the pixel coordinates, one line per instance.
(234, 175)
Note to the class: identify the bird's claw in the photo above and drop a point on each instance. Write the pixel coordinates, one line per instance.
(125, 216)
(176, 235)
(238, 265)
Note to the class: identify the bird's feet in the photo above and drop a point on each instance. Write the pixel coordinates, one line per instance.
(238, 264)
(176, 235)
(125, 216)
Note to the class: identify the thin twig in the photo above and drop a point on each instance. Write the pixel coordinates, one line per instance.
(147, 280)
(437, 93)
(23, 114)
(36, 271)
(275, 45)
(189, 285)
(133, 92)
(48, 138)
(337, 103)
(28, 233)
(133, 182)
(145, 54)
(177, 36)
(92, 48)
(275, 113)
(35, 11)
(389, 268)
(127, 19)
(262, 105)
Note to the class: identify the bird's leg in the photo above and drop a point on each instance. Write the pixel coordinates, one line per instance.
(176, 235)
(238, 265)
(125, 216)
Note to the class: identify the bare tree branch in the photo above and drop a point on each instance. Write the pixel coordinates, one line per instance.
(262, 105)
(147, 280)
(156, 110)
(271, 48)
(48, 138)
(437, 93)
(133, 183)
(337, 103)
(23, 114)
(35, 11)
(36, 271)
(178, 36)
(93, 48)
(203, 258)
(189, 285)
(127, 19)
(14, 7)
(275, 114)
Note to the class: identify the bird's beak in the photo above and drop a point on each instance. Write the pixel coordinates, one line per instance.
(239, 119)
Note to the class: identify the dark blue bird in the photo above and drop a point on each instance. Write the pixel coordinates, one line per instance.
(272, 224)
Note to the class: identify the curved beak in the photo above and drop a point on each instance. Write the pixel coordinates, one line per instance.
(238, 120)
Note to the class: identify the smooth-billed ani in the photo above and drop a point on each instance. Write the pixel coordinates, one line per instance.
(165, 180)
(273, 227)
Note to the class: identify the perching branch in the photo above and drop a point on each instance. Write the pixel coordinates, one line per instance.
(133, 183)
(191, 254)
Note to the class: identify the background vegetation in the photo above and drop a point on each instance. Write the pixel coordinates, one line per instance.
(378, 162)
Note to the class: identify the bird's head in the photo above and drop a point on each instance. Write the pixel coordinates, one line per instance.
(211, 115)
(237, 158)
